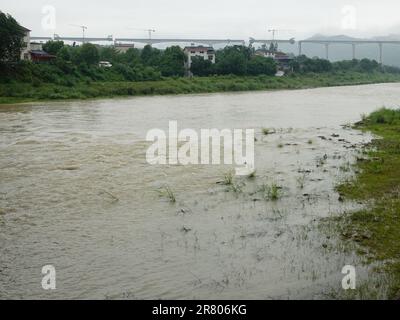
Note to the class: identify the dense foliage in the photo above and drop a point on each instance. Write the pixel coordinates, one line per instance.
(11, 38)
(304, 64)
(235, 60)
(260, 65)
(79, 65)
(17, 91)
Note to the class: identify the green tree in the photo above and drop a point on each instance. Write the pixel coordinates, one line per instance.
(367, 65)
(64, 54)
(53, 47)
(316, 65)
(11, 38)
(345, 65)
(146, 53)
(201, 67)
(173, 62)
(150, 56)
(109, 54)
(89, 54)
(261, 65)
(131, 56)
(233, 60)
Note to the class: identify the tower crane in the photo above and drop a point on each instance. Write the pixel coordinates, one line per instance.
(150, 31)
(84, 28)
(274, 31)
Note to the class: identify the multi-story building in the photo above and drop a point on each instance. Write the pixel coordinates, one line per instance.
(25, 53)
(281, 58)
(36, 46)
(208, 53)
(123, 47)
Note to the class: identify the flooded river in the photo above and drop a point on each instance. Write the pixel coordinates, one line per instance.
(76, 192)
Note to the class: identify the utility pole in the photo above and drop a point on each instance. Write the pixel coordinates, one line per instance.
(84, 28)
(150, 31)
(274, 31)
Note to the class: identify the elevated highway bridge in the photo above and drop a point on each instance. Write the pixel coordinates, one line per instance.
(251, 41)
(209, 42)
(352, 43)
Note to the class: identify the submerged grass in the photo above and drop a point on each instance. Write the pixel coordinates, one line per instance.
(270, 192)
(267, 131)
(377, 228)
(168, 193)
(229, 178)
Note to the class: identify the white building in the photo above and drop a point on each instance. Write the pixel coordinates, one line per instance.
(25, 55)
(123, 47)
(208, 53)
(266, 53)
(36, 46)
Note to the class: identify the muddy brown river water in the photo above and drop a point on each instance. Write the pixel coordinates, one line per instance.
(76, 192)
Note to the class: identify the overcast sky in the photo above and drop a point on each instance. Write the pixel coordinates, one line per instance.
(208, 18)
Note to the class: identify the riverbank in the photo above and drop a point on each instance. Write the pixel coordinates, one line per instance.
(376, 229)
(18, 92)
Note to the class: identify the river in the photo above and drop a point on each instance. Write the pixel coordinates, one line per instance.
(77, 193)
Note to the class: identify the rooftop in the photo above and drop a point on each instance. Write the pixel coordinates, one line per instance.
(41, 53)
(199, 48)
(124, 45)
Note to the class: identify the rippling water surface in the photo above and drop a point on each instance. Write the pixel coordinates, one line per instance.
(64, 165)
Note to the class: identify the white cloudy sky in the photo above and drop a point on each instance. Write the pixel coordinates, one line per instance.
(210, 18)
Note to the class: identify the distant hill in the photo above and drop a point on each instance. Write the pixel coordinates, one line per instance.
(391, 53)
(339, 37)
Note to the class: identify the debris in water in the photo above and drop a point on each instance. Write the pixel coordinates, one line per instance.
(69, 168)
(114, 198)
(185, 230)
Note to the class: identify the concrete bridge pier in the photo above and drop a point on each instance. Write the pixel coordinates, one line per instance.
(354, 50)
(327, 51)
(381, 53)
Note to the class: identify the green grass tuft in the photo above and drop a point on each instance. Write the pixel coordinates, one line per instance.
(167, 192)
(270, 192)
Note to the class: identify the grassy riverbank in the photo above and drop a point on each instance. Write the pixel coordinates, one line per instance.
(15, 92)
(377, 228)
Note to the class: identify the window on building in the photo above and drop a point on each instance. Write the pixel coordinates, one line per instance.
(210, 58)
